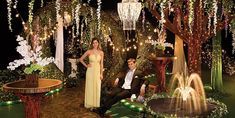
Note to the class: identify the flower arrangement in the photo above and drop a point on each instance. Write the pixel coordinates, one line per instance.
(160, 43)
(32, 57)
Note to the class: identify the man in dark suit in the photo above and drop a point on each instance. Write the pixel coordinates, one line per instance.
(131, 82)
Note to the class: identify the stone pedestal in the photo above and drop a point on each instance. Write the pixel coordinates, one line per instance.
(73, 62)
(160, 64)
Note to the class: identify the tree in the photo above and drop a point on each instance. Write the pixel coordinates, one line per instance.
(194, 21)
(216, 69)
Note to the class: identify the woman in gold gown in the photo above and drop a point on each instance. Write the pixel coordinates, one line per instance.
(94, 74)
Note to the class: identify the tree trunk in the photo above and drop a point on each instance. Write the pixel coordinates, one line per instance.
(194, 56)
(216, 70)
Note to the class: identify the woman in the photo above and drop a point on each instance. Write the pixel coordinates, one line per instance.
(94, 74)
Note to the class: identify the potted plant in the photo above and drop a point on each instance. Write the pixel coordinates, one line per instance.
(32, 61)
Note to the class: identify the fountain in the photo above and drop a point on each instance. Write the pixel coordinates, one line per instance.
(188, 94)
(188, 99)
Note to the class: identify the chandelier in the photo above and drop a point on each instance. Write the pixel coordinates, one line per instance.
(129, 11)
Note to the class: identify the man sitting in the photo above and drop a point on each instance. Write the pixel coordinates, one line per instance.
(132, 82)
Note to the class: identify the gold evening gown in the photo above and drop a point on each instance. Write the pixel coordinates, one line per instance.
(93, 82)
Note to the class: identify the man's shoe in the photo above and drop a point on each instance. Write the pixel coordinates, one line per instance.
(98, 111)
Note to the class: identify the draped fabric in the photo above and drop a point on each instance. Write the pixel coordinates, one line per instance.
(59, 56)
(179, 64)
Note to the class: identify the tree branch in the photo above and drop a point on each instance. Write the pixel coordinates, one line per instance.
(219, 27)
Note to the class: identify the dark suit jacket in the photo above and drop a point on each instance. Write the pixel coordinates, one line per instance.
(137, 81)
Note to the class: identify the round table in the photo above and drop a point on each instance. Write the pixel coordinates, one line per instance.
(160, 64)
(31, 97)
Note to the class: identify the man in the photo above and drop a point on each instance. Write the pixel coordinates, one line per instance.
(132, 82)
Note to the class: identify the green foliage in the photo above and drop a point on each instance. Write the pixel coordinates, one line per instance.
(160, 47)
(51, 71)
(5, 77)
(228, 5)
(233, 23)
(71, 82)
(9, 76)
(7, 96)
(215, 94)
(33, 68)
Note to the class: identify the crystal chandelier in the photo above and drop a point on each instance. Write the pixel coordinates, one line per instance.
(129, 11)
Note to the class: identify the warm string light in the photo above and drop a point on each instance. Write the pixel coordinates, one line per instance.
(26, 29)
(134, 46)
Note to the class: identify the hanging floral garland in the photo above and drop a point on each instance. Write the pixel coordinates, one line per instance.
(209, 23)
(15, 4)
(42, 2)
(77, 19)
(232, 28)
(191, 15)
(215, 15)
(9, 5)
(162, 21)
(57, 8)
(226, 24)
(143, 19)
(98, 15)
(30, 14)
(92, 17)
(88, 1)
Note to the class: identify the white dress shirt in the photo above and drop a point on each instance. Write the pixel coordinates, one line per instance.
(128, 79)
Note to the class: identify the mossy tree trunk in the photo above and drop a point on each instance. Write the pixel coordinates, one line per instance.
(216, 70)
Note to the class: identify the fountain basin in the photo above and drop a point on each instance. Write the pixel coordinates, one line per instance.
(160, 107)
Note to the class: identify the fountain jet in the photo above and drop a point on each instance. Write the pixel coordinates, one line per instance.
(188, 94)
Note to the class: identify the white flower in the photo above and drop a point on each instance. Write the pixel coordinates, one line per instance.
(29, 56)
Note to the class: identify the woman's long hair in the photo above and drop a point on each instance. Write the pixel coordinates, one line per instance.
(91, 45)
